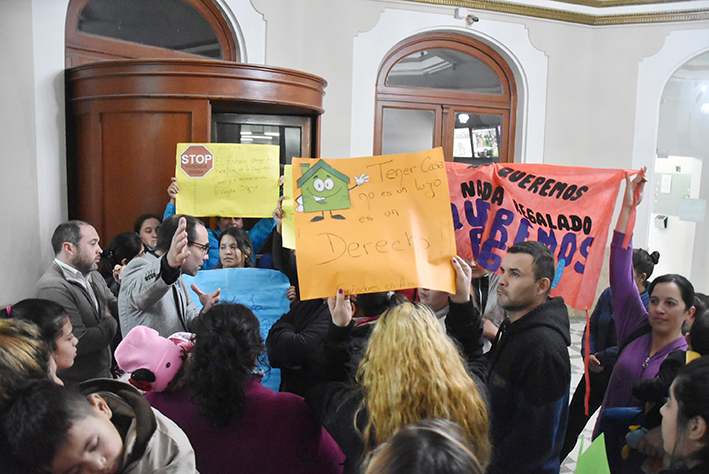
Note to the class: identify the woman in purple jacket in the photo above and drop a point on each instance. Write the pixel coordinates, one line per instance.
(671, 304)
(234, 423)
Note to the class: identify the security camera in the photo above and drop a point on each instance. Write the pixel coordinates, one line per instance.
(470, 19)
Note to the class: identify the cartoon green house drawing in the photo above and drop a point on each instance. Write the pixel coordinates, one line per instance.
(323, 188)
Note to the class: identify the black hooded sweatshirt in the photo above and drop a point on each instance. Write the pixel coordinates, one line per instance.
(528, 384)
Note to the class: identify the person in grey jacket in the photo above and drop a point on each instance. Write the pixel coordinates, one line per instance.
(73, 282)
(153, 293)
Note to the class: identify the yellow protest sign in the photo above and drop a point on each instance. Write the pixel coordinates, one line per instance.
(288, 227)
(227, 179)
(373, 224)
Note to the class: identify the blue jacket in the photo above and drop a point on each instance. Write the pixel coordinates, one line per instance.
(602, 339)
(258, 235)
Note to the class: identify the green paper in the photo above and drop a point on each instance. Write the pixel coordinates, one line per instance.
(594, 460)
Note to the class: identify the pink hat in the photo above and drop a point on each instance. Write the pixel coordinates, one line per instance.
(152, 360)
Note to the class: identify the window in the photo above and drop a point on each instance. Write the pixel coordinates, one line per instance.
(129, 29)
(446, 90)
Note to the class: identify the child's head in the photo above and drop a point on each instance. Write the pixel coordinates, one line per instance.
(62, 431)
(53, 322)
(643, 265)
(432, 446)
(685, 416)
(152, 361)
(699, 333)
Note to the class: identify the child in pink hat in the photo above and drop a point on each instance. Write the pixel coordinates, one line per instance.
(152, 360)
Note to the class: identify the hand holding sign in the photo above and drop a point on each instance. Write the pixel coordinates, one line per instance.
(340, 308)
(463, 276)
(633, 195)
(634, 188)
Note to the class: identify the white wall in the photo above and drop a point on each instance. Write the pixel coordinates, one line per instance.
(653, 73)
(676, 242)
(19, 209)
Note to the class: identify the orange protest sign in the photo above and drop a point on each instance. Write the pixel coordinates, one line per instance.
(373, 224)
(569, 209)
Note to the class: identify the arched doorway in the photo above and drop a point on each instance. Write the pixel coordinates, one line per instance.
(678, 192)
(449, 90)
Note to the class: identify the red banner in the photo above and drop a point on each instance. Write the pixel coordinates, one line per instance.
(568, 209)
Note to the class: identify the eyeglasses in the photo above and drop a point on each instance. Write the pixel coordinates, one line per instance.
(204, 248)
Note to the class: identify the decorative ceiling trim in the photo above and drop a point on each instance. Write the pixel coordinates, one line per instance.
(581, 18)
(617, 3)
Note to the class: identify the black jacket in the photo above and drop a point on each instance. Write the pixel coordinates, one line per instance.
(528, 384)
(295, 345)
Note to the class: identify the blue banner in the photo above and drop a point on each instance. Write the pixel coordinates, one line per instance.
(262, 291)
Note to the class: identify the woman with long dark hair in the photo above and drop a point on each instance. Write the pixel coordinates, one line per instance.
(232, 421)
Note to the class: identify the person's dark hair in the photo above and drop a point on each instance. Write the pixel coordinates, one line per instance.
(431, 446)
(700, 304)
(69, 231)
(48, 316)
(123, 246)
(227, 344)
(37, 422)
(169, 226)
(243, 241)
(543, 258)
(691, 390)
(685, 287)
(374, 304)
(644, 262)
(699, 333)
(139, 221)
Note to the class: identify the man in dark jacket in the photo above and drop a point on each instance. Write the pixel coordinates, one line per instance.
(530, 370)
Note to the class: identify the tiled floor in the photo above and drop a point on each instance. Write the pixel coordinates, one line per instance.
(577, 326)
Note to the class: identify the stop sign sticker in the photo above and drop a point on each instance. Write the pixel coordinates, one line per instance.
(196, 161)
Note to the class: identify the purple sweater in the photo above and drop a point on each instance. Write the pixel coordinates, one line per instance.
(629, 315)
(276, 434)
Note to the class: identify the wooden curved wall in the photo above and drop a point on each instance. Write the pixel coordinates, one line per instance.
(124, 119)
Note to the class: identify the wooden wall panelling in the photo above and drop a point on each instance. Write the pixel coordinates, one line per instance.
(137, 141)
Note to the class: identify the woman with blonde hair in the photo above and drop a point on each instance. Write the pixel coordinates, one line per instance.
(24, 356)
(411, 370)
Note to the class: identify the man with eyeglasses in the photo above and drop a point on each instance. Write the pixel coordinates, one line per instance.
(153, 293)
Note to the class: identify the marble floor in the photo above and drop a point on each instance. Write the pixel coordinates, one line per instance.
(577, 326)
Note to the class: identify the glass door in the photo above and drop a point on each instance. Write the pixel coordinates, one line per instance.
(293, 134)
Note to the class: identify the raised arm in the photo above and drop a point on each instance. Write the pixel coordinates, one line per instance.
(628, 308)
(464, 321)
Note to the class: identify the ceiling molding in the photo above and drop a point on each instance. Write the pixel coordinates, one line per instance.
(581, 18)
(616, 3)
